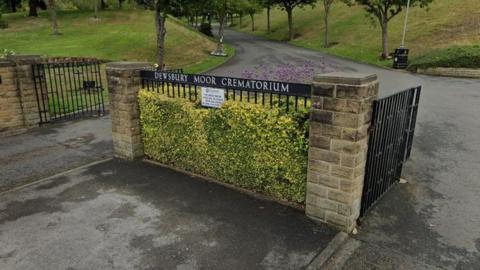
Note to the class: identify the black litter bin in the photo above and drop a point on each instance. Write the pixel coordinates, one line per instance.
(400, 58)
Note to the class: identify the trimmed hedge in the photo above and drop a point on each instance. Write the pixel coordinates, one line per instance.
(454, 57)
(246, 145)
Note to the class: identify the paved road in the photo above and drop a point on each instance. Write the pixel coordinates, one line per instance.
(134, 215)
(433, 221)
(52, 149)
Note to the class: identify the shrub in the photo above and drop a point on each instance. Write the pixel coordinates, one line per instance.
(246, 145)
(454, 57)
(3, 24)
(206, 29)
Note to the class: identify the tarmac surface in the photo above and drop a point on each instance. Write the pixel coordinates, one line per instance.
(134, 215)
(53, 148)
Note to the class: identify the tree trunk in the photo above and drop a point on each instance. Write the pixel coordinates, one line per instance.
(290, 23)
(103, 5)
(53, 16)
(32, 4)
(220, 48)
(161, 32)
(196, 20)
(384, 24)
(268, 19)
(240, 15)
(120, 2)
(13, 6)
(325, 39)
(95, 9)
(252, 17)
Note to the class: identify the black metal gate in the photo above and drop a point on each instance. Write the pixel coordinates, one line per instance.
(69, 90)
(390, 143)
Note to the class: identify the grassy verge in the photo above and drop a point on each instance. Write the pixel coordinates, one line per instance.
(118, 35)
(454, 57)
(353, 35)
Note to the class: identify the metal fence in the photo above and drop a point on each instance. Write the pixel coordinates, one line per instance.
(390, 143)
(69, 90)
(267, 93)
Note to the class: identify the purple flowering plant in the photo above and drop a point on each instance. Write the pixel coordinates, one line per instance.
(301, 73)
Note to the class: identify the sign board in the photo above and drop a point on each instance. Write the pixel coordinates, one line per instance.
(283, 88)
(212, 97)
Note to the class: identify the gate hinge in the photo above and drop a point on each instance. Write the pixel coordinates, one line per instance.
(371, 129)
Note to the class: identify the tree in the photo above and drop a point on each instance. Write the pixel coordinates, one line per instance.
(384, 11)
(95, 9)
(162, 9)
(33, 5)
(268, 4)
(3, 24)
(253, 7)
(10, 4)
(327, 4)
(222, 8)
(53, 16)
(289, 6)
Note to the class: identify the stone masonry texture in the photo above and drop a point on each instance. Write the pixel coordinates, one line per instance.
(18, 101)
(340, 118)
(124, 82)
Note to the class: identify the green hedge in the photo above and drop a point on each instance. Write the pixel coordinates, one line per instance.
(247, 145)
(454, 57)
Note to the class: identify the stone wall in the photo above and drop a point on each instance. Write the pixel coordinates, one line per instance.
(339, 122)
(124, 83)
(11, 115)
(452, 72)
(19, 106)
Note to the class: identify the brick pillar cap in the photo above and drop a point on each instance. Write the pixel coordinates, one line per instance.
(125, 66)
(24, 59)
(351, 78)
(5, 63)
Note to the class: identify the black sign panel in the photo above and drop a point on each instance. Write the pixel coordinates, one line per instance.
(291, 89)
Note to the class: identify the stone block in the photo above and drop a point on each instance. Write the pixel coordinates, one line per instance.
(324, 155)
(323, 90)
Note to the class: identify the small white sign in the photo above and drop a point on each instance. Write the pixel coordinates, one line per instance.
(212, 97)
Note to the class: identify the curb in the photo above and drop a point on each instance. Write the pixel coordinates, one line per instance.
(53, 176)
(259, 196)
(465, 73)
(319, 261)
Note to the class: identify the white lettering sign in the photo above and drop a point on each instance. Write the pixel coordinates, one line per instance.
(212, 97)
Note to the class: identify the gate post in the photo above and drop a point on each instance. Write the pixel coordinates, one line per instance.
(124, 82)
(339, 122)
(26, 87)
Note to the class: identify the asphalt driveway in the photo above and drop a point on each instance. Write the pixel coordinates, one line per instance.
(51, 149)
(134, 215)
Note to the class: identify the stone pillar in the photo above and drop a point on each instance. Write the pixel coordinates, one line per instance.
(340, 119)
(26, 87)
(11, 114)
(123, 85)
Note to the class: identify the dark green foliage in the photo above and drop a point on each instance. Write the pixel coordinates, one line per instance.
(206, 29)
(3, 24)
(246, 145)
(453, 57)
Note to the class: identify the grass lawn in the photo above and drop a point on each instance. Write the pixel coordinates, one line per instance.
(118, 35)
(445, 23)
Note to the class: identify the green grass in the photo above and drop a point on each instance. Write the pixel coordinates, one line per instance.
(118, 35)
(444, 24)
(454, 57)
